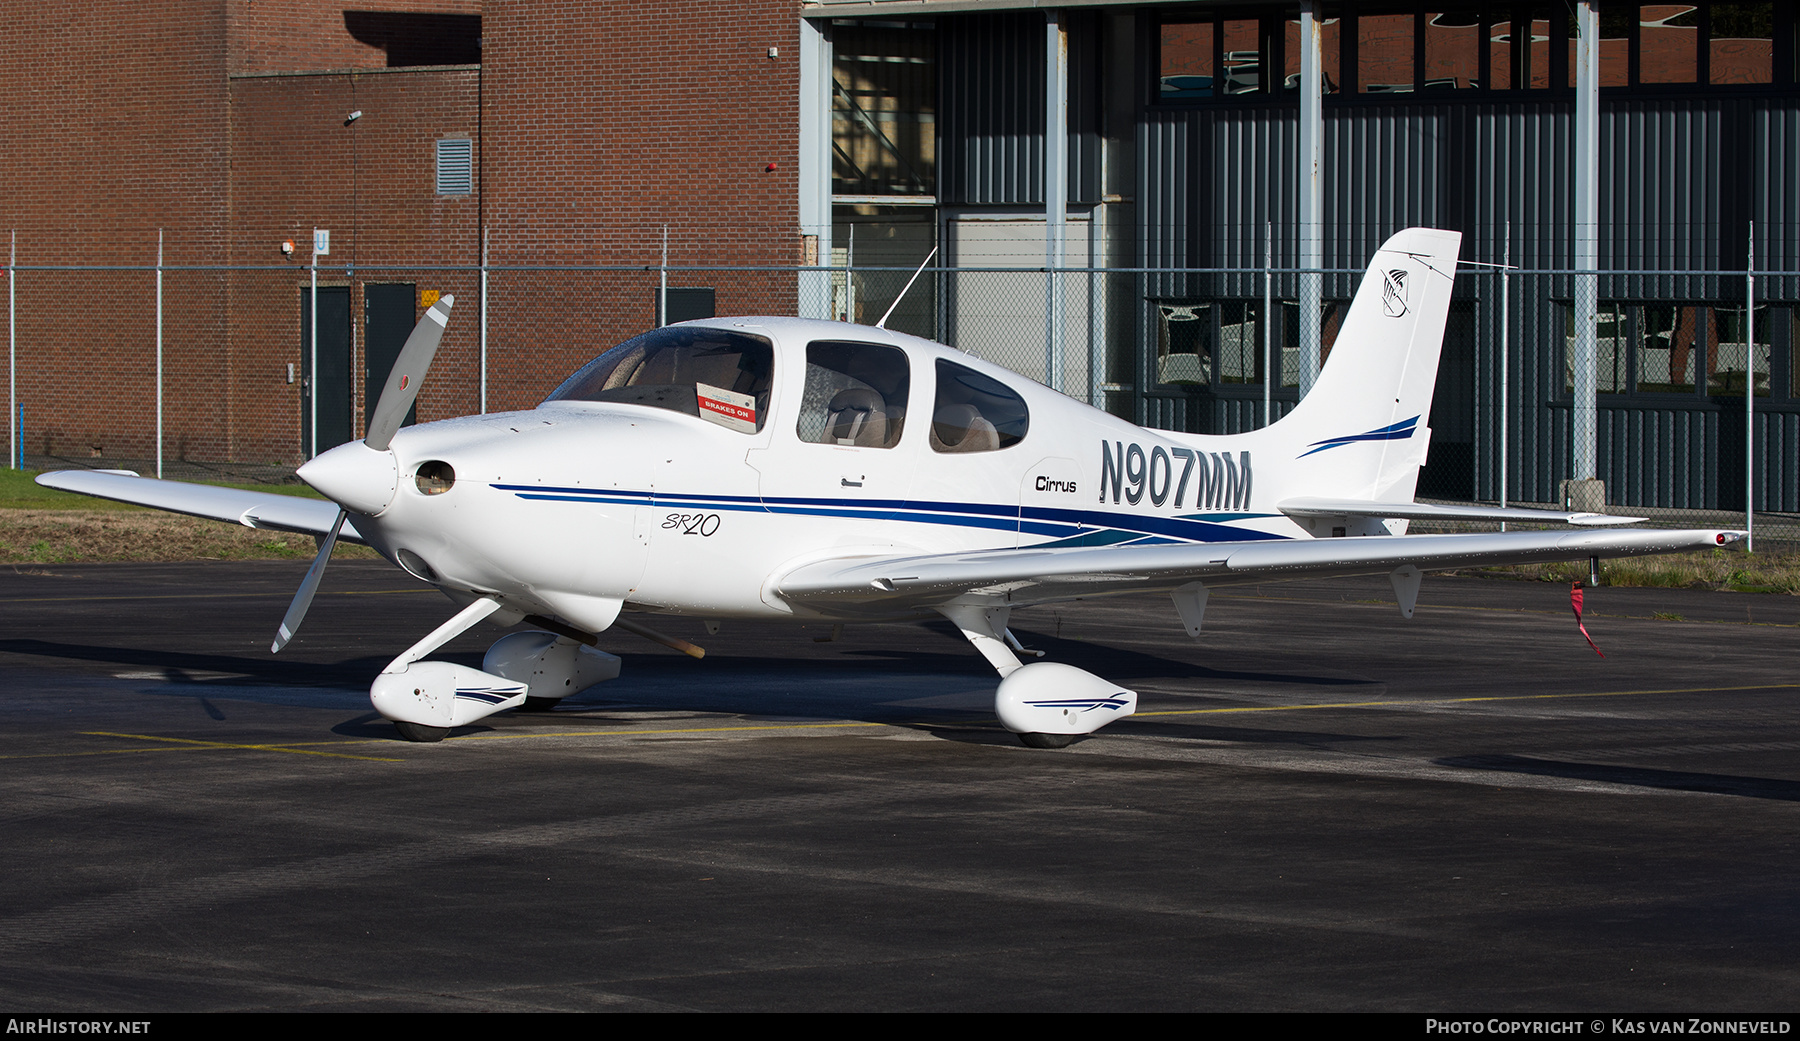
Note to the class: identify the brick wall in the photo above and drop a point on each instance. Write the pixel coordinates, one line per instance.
(316, 35)
(296, 167)
(605, 121)
(597, 124)
(111, 127)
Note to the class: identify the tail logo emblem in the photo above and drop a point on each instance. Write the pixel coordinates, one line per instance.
(1393, 292)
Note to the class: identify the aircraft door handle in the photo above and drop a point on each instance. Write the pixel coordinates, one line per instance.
(848, 483)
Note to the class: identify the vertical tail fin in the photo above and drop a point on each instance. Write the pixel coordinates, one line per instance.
(1364, 423)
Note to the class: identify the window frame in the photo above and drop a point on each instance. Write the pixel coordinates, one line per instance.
(1782, 338)
(1491, 16)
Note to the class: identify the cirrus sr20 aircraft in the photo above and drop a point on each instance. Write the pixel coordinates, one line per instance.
(814, 470)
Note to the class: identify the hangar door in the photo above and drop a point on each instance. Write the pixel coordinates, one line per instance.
(331, 384)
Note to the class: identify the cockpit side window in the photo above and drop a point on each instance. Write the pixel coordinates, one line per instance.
(975, 413)
(855, 394)
(716, 374)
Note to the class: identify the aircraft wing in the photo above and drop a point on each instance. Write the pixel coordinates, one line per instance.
(1028, 576)
(233, 505)
(1308, 507)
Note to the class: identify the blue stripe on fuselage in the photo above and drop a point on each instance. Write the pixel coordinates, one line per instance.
(1063, 526)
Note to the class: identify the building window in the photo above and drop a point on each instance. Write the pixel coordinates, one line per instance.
(1200, 344)
(1385, 47)
(1384, 53)
(884, 109)
(1721, 44)
(1187, 61)
(1452, 50)
(1734, 357)
(455, 166)
(1741, 43)
(1222, 57)
(1687, 349)
(1184, 344)
(1240, 341)
(1520, 46)
(1287, 334)
(1668, 43)
(1243, 56)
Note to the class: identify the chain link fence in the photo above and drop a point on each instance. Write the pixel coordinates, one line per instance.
(1677, 391)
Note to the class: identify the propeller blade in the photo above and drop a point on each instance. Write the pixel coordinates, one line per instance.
(408, 372)
(290, 624)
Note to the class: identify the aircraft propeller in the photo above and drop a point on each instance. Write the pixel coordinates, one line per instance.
(348, 481)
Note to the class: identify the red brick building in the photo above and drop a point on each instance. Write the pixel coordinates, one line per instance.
(225, 126)
(1155, 156)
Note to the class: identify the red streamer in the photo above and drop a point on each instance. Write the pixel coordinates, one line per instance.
(1575, 603)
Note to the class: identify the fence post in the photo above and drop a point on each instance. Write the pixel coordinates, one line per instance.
(483, 305)
(1268, 323)
(312, 373)
(1584, 426)
(1750, 392)
(1505, 358)
(159, 353)
(1312, 199)
(1056, 190)
(1096, 310)
(14, 418)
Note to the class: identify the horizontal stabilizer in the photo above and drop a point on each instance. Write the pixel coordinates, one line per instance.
(1298, 508)
(233, 505)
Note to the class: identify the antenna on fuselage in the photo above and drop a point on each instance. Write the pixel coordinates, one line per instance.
(909, 284)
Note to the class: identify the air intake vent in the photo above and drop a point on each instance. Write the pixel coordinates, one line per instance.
(455, 166)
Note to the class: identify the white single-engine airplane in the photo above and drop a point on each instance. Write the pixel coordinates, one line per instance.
(814, 470)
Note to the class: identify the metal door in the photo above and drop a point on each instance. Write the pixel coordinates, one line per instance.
(331, 384)
(389, 314)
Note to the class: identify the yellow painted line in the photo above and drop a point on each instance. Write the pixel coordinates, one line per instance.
(627, 732)
(193, 744)
(78, 755)
(1408, 702)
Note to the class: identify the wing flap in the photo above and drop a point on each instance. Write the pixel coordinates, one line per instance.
(231, 505)
(1308, 507)
(1027, 576)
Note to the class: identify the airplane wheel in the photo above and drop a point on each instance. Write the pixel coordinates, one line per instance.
(1046, 740)
(420, 732)
(538, 704)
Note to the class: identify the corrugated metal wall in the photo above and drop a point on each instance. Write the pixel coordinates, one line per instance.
(991, 109)
(1681, 179)
(1777, 191)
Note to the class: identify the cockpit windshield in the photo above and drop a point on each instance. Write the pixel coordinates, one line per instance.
(715, 374)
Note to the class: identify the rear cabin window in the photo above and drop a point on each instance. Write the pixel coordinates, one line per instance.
(855, 394)
(715, 374)
(975, 413)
